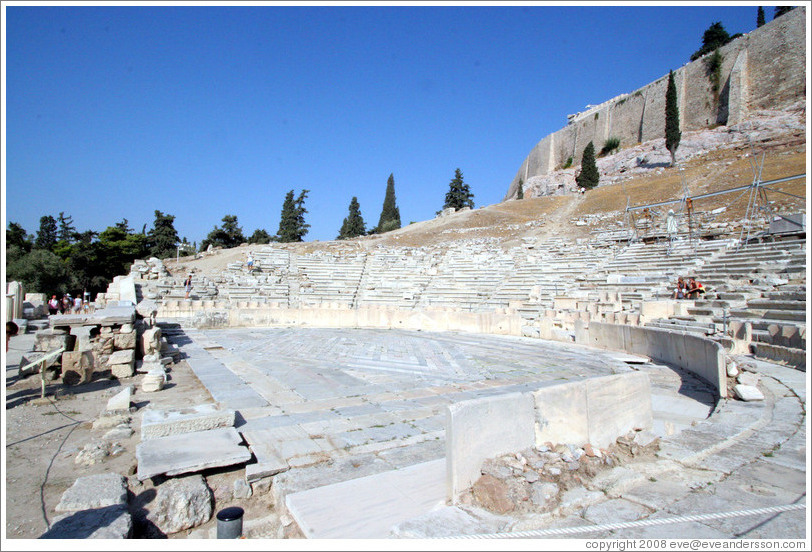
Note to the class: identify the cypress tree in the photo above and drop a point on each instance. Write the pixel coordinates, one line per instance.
(589, 176)
(672, 130)
(287, 222)
(353, 225)
(520, 191)
(760, 17)
(458, 195)
(301, 225)
(390, 214)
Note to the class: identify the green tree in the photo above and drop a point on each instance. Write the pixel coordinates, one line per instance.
(353, 225)
(589, 176)
(781, 10)
(46, 236)
(162, 239)
(229, 235)
(292, 225)
(118, 248)
(672, 130)
(760, 17)
(66, 228)
(260, 236)
(458, 195)
(40, 271)
(86, 264)
(390, 214)
(520, 191)
(16, 236)
(714, 37)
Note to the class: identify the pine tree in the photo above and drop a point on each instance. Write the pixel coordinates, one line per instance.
(260, 236)
(520, 191)
(353, 225)
(713, 37)
(390, 214)
(458, 195)
(760, 17)
(589, 176)
(162, 238)
(46, 236)
(292, 227)
(66, 228)
(672, 130)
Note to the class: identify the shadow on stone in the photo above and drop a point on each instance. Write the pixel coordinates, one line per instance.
(99, 523)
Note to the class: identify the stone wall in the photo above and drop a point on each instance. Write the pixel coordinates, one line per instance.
(594, 411)
(764, 69)
(699, 355)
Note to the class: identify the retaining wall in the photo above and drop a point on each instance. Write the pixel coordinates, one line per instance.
(595, 411)
(699, 355)
(764, 69)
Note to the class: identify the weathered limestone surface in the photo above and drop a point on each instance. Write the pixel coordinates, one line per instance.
(77, 367)
(94, 491)
(161, 423)
(120, 402)
(482, 428)
(181, 503)
(190, 452)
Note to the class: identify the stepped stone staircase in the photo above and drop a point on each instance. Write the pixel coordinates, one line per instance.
(761, 283)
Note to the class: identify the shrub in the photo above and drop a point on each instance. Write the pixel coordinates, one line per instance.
(568, 164)
(610, 145)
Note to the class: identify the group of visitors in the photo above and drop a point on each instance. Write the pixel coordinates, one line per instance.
(690, 289)
(68, 304)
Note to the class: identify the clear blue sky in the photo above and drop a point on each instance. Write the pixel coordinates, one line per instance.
(203, 111)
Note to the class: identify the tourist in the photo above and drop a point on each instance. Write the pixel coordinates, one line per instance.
(679, 291)
(188, 285)
(53, 305)
(250, 261)
(77, 304)
(694, 289)
(11, 330)
(64, 307)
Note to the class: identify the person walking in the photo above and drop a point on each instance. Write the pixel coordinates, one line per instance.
(53, 305)
(188, 285)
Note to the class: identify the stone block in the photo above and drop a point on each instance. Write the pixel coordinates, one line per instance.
(123, 341)
(122, 370)
(120, 401)
(153, 381)
(747, 393)
(483, 428)
(122, 363)
(190, 452)
(151, 341)
(594, 411)
(34, 356)
(161, 423)
(94, 491)
(77, 367)
(109, 522)
(180, 504)
(52, 339)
